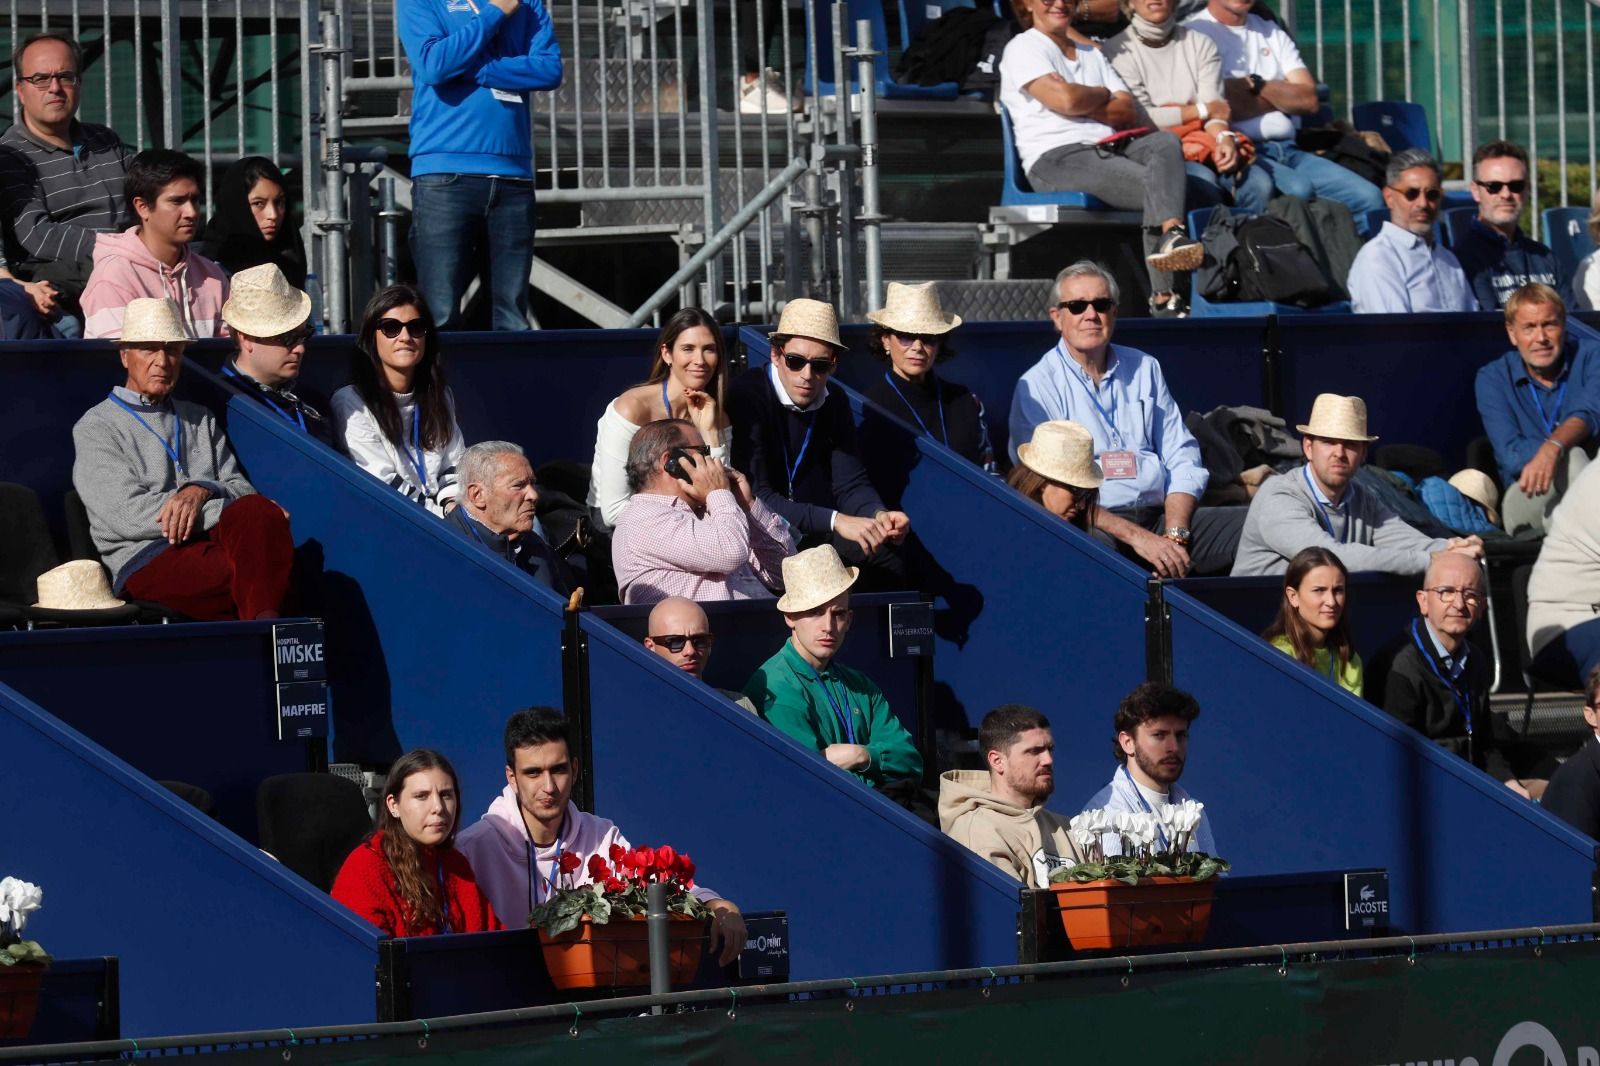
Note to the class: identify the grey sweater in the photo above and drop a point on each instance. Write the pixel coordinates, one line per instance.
(1284, 519)
(124, 474)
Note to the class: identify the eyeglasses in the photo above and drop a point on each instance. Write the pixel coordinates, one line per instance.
(1433, 195)
(391, 327)
(67, 78)
(1493, 187)
(293, 339)
(908, 339)
(818, 367)
(1449, 594)
(1103, 305)
(674, 642)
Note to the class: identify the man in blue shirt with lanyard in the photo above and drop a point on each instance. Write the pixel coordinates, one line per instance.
(1540, 405)
(271, 321)
(1149, 504)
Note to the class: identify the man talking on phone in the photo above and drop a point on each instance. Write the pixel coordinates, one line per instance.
(692, 527)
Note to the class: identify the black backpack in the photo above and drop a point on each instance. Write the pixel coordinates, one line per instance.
(1258, 257)
(948, 49)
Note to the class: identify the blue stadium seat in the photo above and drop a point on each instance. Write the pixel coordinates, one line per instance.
(1018, 193)
(915, 14)
(1456, 220)
(887, 88)
(1200, 307)
(1402, 123)
(1566, 231)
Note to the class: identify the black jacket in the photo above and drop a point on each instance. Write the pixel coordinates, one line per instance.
(528, 553)
(1414, 691)
(917, 404)
(1573, 794)
(291, 407)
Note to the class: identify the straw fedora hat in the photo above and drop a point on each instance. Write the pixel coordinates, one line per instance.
(1480, 488)
(80, 585)
(1063, 452)
(811, 319)
(153, 320)
(262, 303)
(813, 577)
(1338, 418)
(914, 309)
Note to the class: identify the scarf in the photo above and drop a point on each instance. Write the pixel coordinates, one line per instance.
(1154, 34)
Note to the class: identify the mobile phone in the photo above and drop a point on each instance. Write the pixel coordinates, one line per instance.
(674, 464)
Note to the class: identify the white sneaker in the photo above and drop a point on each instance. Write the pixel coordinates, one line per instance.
(768, 87)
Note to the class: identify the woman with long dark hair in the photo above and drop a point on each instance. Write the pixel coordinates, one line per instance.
(397, 418)
(407, 878)
(252, 223)
(685, 382)
(1312, 625)
(1057, 471)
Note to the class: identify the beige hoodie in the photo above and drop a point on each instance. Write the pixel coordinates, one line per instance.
(1027, 844)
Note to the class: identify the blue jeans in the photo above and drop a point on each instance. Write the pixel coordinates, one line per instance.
(1206, 188)
(461, 220)
(1309, 176)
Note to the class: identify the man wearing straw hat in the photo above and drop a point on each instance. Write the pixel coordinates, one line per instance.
(271, 321)
(795, 439)
(1321, 505)
(833, 709)
(171, 513)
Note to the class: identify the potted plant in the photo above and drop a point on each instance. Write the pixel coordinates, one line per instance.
(1150, 890)
(22, 962)
(594, 934)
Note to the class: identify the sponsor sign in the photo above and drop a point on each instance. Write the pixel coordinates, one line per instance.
(298, 653)
(302, 710)
(910, 629)
(1366, 900)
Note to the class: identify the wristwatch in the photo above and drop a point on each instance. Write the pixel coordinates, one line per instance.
(1177, 534)
(1257, 83)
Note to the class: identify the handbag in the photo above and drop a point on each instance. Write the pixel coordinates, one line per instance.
(1201, 147)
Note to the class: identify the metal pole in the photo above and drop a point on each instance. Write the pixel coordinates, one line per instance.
(171, 107)
(710, 156)
(846, 300)
(389, 266)
(1533, 122)
(1405, 53)
(1466, 20)
(1561, 109)
(870, 217)
(334, 222)
(1500, 64)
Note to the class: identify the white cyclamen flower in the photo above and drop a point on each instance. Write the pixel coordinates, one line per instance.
(18, 899)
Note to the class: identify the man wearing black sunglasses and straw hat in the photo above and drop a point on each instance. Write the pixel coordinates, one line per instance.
(1403, 268)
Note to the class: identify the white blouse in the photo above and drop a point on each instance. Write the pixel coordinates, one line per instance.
(608, 474)
(363, 441)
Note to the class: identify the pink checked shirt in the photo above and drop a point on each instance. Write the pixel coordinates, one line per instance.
(661, 548)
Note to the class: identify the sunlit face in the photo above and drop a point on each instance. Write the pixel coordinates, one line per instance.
(1063, 501)
(912, 354)
(804, 385)
(54, 103)
(1414, 200)
(1052, 16)
(426, 806)
(1454, 610)
(1319, 600)
(692, 359)
(681, 619)
(268, 206)
(174, 214)
(1334, 462)
(402, 353)
(1028, 765)
(276, 360)
(1156, 11)
(1159, 748)
(1089, 330)
(507, 502)
(819, 633)
(1501, 208)
(152, 368)
(1539, 330)
(543, 776)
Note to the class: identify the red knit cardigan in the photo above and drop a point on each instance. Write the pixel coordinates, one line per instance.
(366, 885)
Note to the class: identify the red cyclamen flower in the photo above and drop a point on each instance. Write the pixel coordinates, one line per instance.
(618, 854)
(598, 868)
(570, 862)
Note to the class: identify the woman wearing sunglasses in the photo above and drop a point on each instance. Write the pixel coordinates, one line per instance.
(910, 334)
(1311, 625)
(1404, 267)
(1057, 471)
(397, 418)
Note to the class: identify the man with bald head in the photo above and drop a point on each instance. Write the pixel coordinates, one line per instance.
(680, 633)
(496, 512)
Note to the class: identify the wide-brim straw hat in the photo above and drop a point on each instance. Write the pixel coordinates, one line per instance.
(80, 585)
(152, 320)
(914, 309)
(1338, 417)
(1063, 452)
(811, 319)
(1480, 488)
(262, 303)
(813, 577)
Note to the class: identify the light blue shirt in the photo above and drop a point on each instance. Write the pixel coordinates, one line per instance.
(1398, 271)
(1456, 664)
(1130, 410)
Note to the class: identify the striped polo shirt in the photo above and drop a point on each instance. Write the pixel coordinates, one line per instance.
(56, 199)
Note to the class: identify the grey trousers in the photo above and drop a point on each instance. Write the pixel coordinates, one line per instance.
(1518, 510)
(1148, 175)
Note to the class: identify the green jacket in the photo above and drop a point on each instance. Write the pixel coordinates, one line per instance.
(787, 691)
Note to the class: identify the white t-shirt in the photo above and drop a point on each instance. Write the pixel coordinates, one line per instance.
(1031, 55)
(1257, 47)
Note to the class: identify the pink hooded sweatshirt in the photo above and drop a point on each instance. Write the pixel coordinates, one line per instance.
(505, 859)
(124, 270)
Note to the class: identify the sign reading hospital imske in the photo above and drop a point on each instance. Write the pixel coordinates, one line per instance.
(301, 672)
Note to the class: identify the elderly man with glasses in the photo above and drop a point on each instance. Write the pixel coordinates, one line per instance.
(1149, 502)
(1404, 267)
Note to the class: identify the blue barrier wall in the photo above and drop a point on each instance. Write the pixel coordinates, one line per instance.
(212, 935)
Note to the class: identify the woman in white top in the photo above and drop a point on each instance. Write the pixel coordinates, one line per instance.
(685, 382)
(1586, 279)
(397, 419)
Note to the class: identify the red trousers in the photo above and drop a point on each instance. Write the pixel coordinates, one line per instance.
(239, 568)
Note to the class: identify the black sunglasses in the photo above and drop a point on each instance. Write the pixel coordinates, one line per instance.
(908, 339)
(1104, 305)
(1433, 196)
(293, 338)
(391, 327)
(1493, 187)
(818, 367)
(674, 642)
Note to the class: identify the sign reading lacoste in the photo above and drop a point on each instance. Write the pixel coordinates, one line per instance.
(1366, 899)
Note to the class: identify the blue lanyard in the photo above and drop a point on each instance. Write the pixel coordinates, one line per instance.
(1463, 699)
(847, 716)
(299, 416)
(783, 437)
(1161, 833)
(1548, 421)
(1109, 418)
(666, 404)
(1333, 664)
(444, 900)
(938, 399)
(1322, 508)
(533, 872)
(419, 461)
(174, 447)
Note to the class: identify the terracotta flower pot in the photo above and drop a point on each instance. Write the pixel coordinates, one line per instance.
(617, 954)
(1158, 910)
(19, 998)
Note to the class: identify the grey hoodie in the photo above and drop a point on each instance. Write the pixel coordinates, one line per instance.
(1027, 844)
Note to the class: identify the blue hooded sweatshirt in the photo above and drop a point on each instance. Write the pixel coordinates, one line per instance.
(472, 68)
(1496, 267)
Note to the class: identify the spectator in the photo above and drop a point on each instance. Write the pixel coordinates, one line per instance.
(252, 224)
(1574, 791)
(681, 634)
(1563, 624)
(270, 321)
(171, 513)
(1320, 505)
(1000, 813)
(1066, 107)
(154, 258)
(1586, 279)
(1540, 405)
(829, 708)
(1153, 475)
(1496, 255)
(686, 381)
(1404, 267)
(1151, 743)
(517, 846)
(796, 441)
(1057, 471)
(693, 527)
(496, 511)
(1175, 75)
(1432, 681)
(408, 878)
(1269, 90)
(397, 418)
(60, 179)
(761, 89)
(26, 308)
(1106, 18)
(1312, 625)
(911, 333)
(472, 200)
